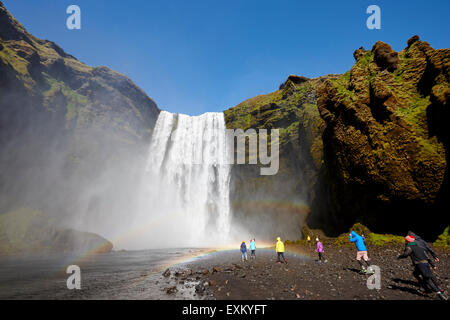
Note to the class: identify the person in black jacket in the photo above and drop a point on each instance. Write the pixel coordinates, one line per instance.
(421, 263)
(422, 243)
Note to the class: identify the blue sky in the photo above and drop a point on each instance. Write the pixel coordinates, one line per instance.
(197, 56)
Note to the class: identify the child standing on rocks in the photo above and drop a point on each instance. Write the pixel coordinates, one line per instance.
(361, 251)
(319, 250)
(244, 251)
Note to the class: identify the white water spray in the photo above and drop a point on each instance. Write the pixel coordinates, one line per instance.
(186, 199)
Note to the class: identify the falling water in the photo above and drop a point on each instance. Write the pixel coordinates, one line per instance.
(187, 180)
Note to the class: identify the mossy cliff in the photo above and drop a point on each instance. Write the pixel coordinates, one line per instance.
(69, 133)
(386, 140)
(280, 202)
(57, 109)
(367, 146)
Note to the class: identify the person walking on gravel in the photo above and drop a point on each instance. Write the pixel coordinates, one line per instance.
(252, 249)
(421, 264)
(361, 251)
(244, 251)
(423, 244)
(319, 250)
(280, 251)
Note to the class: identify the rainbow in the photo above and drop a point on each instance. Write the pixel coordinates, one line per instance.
(296, 207)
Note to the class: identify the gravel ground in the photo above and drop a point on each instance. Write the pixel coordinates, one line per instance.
(222, 275)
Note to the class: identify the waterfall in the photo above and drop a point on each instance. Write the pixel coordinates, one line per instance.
(187, 179)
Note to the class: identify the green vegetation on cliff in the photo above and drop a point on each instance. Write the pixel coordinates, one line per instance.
(292, 109)
(65, 128)
(444, 239)
(384, 141)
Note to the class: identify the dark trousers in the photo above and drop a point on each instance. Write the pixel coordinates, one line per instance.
(253, 254)
(281, 255)
(425, 277)
(321, 257)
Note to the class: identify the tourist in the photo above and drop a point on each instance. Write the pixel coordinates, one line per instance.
(423, 244)
(308, 238)
(361, 251)
(252, 249)
(244, 251)
(319, 250)
(280, 251)
(421, 264)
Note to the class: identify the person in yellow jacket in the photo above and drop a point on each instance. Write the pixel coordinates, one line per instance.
(280, 251)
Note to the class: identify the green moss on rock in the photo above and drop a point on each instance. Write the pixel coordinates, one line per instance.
(443, 239)
(384, 150)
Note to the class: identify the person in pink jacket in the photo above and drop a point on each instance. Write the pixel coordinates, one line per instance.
(319, 250)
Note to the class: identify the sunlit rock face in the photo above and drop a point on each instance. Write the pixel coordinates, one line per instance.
(386, 140)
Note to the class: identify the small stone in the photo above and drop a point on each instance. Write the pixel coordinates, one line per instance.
(171, 290)
(216, 269)
(200, 288)
(212, 283)
(166, 273)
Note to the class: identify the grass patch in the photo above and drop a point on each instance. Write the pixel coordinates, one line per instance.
(444, 239)
(74, 99)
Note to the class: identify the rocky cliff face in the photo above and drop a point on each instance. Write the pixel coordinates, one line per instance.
(70, 134)
(278, 204)
(386, 140)
(367, 146)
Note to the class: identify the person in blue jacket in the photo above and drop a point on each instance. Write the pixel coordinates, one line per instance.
(361, 250)
(244, 251)
(252, 248)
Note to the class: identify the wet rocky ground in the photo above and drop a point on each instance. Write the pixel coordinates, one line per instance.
(205, 274)
(222, 275)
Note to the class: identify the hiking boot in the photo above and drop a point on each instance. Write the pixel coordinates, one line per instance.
(363, 271)
(441, 296)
